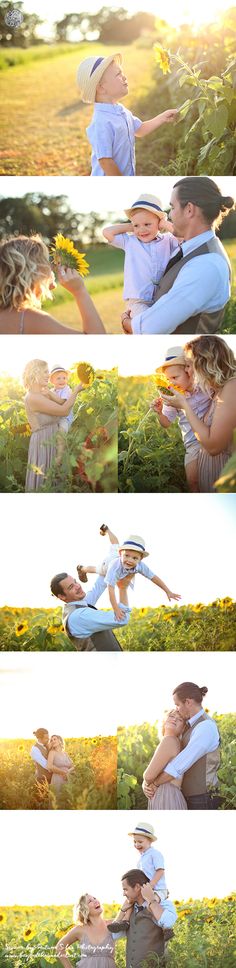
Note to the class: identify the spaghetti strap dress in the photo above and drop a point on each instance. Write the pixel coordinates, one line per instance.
(42, 447)
(167, 797)
(97, 955)
(210, 466)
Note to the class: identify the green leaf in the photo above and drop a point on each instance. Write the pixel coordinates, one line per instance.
(216, 121)
(185, 108)
(205, 150)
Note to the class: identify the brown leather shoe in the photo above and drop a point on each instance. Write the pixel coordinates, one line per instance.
(103, 529)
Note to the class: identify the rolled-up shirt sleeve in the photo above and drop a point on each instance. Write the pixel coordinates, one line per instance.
(200, 286)
(204, 739)
(144, 570)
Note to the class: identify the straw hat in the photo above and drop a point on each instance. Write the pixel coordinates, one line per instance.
(134, 543)
(58, 369)
(174, 357)
(145, 829)
(149, 202)
(90, 72)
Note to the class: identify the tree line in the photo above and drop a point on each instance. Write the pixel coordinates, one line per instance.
(103, 26)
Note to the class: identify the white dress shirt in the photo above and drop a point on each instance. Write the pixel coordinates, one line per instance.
(38, 757)
(203, 739)
(202, 285)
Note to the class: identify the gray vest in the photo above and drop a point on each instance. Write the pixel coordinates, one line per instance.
(203, 322)
(202, 775)
(82, 645)
(40, 772)
(144, 938)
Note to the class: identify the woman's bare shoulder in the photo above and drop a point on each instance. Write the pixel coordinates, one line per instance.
(171, 743)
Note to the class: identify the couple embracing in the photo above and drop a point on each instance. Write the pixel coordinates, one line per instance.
(52, 764)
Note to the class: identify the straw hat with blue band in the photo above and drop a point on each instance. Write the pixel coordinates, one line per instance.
(145, 830)
(90, 72)
(174, 357)
(134, 543)
(150, 203)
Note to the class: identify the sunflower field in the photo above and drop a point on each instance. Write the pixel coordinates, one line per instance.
(185, 628)
(136, 745)
(204, 935)
(89, 461)
(92, 786)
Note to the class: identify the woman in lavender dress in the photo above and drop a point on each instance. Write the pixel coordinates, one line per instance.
(167, 796)
(43, 415)
(96, 944)
(58, 757)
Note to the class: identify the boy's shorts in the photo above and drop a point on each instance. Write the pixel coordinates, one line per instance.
(137, 306)
(168, 916)
(63, 425)
(192, 453)
(104, 565)
(162, 893)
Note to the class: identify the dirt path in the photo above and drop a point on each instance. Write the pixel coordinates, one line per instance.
(42, 121)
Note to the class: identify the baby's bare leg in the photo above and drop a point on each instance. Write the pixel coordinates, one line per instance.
(191, 471)
(61, 440)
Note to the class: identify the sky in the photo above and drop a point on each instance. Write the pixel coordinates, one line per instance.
(102, 354)
(168, 10)
(73, 708)
(53, 858)
(29, 700)
(181, 533)
(113, 197)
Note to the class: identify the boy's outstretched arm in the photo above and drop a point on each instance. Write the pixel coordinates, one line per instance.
(161, 584)
(148, 126)
(117, 609)
(109, 166)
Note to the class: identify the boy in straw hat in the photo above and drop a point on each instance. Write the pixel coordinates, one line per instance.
(151, 863)
(147, 250)
(122, 561)
(180, 373)
(113, 128)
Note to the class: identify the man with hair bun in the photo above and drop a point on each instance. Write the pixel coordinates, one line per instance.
(199, 759)
(192, 295)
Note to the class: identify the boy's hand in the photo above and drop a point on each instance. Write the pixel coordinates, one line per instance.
(157, 405)
(171, 595)
(126, 323)
(169, 115)
(119, 613)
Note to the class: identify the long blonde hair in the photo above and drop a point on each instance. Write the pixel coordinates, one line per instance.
(33, 372)
(24, 262)
(81, 910)
(214, 362)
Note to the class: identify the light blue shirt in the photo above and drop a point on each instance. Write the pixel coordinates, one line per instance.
(150, 862)
(199, 403)
(203, 284)
(65, 393)
(83, 621)
(145, 262)
(203, 739)
(116, 571)
(112, 135)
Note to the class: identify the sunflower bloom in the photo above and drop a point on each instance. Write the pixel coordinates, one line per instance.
(162, 58)
(86, 374)
(29, 932)
(54, 629)
(3, 918)
(64, 253)
(21, 629)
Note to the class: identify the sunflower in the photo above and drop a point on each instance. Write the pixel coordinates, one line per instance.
(29, 932)
(3, 918)
(64, 253)
(21, 629)
(86, 374)
(54, 629)
(162, 58)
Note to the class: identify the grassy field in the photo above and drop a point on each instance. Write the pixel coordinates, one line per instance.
(164, 629)
(92, 786)
(105, 284)
(46, 134)
(204, 935)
